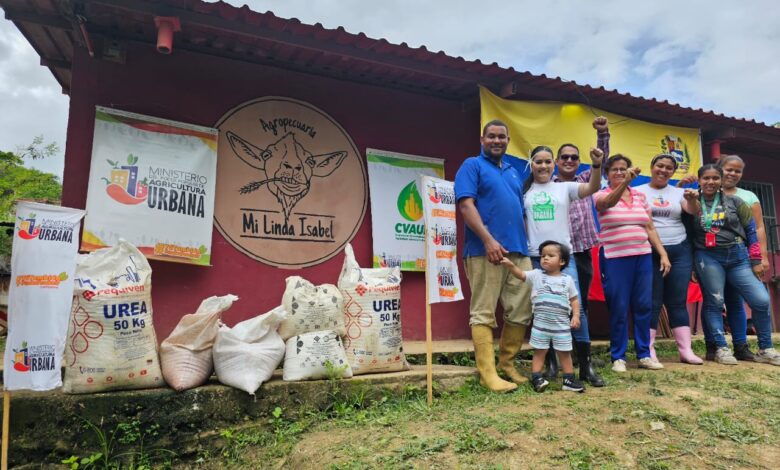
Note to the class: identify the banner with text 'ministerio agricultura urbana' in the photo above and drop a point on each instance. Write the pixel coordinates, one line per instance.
(152, 183)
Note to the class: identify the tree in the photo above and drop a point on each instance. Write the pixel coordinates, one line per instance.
(18, 182)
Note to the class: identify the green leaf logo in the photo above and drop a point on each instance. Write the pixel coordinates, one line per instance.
(410, 203)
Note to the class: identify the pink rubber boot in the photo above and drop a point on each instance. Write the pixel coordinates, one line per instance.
(652, 345)
(682, 336)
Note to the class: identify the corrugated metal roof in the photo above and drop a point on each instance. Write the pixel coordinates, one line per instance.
(238, 32)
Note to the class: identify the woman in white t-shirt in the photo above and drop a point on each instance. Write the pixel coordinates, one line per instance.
(547, 213)
(667, 203)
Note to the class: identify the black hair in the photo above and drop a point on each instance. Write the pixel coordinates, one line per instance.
(568, 145)
(711, 166)
(616, 158)
(723, 159)
(563, 250)
(497, 123)
(661, 156)
(530, 179)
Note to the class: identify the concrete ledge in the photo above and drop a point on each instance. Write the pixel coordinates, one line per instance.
(46, 427)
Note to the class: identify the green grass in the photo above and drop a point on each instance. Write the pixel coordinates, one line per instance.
(682, 417)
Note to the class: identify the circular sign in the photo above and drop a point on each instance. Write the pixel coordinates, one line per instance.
(291, 185)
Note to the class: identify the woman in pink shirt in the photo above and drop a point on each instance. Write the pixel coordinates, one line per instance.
(627, 232)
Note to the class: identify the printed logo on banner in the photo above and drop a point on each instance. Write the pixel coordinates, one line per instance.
(27, 228)
(446, 282)
(162, 189)
(675, 145)
(439, 194)
(41, 280)
(45, 230)
(34, 358)
(443, 236)
(292, 184)
(124, 187)
(410, 207)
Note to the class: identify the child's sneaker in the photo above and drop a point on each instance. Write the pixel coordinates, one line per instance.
(649, 363)
(768, 356)
(619, 365)
(539, 383)
(725, 357)
(570, 384)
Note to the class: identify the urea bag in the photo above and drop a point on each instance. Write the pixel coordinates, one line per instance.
(111, 342)
(246, 355)
(185, 355)
(372, 313)
(315, 355)
(311, 308)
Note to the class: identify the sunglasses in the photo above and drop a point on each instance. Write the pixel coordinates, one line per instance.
(567, 157)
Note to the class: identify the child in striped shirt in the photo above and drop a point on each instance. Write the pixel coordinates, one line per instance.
(556, 311)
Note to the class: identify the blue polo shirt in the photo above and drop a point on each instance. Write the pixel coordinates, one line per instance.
(498, 196)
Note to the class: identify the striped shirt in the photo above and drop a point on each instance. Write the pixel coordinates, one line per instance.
(623, 226)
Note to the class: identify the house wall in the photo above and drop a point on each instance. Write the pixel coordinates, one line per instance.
(199, 89)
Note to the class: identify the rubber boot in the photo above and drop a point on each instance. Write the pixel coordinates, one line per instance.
(587, 373)
(652, 345)
(682, 336)
(551, 366)
(482, 335)
(512, 337)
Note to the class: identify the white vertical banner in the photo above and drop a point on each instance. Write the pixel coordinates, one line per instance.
(45, 244)
(396, 207)
(442, 278)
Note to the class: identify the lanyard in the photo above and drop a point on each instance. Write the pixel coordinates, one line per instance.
(709, 214)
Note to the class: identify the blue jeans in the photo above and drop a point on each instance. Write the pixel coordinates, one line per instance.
(672, 290)
(628, 283)
(735, 316)
(715, 267)
(580, 334)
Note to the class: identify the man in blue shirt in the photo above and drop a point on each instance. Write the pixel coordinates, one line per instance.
(489, 194)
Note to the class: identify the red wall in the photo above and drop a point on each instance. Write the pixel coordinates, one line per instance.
(199, 89)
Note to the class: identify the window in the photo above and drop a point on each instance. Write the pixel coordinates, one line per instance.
(766, 196)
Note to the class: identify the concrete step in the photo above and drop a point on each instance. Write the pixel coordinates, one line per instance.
(50, 426)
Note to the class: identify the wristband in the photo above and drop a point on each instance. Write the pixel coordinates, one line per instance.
(595, 167)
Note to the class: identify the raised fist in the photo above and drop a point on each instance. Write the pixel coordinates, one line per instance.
(600, 124)
(596, 156)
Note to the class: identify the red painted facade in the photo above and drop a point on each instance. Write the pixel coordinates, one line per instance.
(199, 89)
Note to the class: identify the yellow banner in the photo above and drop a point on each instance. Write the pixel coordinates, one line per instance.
(552, 123)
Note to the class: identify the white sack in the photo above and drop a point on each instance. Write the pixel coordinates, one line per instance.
(246, 355)
(185, 355)
(311, 308)
(111, 341)
(372, 313)
(307, 356)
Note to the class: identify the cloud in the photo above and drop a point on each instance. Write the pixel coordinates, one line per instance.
(31, 100)
(717, 55)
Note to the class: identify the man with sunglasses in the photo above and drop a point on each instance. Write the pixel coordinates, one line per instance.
(584, 236)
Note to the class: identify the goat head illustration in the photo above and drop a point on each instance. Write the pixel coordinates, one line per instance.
(287, 166)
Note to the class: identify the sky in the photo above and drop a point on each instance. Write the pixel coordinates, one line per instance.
(717, 55)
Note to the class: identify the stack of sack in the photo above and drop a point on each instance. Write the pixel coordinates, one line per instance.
(312, 331)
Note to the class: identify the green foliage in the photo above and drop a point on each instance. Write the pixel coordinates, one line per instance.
(477, 442)
(128, 437)
(18, 182)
